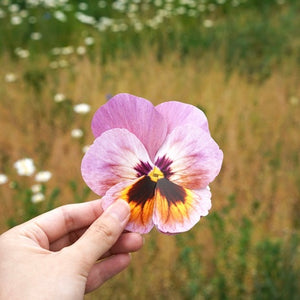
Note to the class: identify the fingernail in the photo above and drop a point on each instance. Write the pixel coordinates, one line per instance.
(120, 210)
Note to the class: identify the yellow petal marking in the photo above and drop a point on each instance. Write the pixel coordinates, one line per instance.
(156, 174)
(174, 212)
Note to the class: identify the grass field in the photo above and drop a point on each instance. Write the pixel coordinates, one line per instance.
(236, 60)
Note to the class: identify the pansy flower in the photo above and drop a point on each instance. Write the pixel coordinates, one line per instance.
(160, 159)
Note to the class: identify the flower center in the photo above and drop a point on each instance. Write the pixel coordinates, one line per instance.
(156, 174)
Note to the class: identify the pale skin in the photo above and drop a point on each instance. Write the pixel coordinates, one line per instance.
(67, 252)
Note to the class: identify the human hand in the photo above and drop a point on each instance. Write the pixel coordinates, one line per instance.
(55, 255)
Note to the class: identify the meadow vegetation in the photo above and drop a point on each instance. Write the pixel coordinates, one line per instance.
(236, 60)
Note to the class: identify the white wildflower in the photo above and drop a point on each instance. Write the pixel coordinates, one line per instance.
(208, 23)
(10, 77)
(118, 5)
(89, 41)
(83, 18)
(24, 13)
(3, 179)
(67, 50)
(106, 21)
(25, 167)
(82, 108)
(138, 26)
(43, 176)
(56, 51)
(77, 133)
(36, 36)
(36, 198)
(60, 16)
(36, 188)
(83, 6)
(15, 20)
(13, 8)
(80, 50)
(22, 53)
(59, 97)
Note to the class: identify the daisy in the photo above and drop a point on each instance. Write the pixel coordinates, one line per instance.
(37, 198)
(3, 179)
(82, 108)
(25, 167)
(43, 176)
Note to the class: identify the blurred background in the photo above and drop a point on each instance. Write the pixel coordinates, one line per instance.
(237, 60)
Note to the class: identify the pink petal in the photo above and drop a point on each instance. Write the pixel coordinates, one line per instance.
(111, 159)
(194, 157)
(181, 216)
(178, 114)
(137, 222)
(135, 114)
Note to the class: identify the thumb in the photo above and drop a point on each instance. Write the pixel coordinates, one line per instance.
(102, 234)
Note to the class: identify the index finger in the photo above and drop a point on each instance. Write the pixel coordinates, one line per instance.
(64, 219)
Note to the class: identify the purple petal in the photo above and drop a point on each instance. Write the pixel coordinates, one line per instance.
(135, 114)
(178, 114)
(194, 157)
(115, 156)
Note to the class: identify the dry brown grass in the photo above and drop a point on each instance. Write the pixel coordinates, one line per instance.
(256, 125)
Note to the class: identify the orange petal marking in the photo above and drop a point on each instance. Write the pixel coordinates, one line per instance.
(140, 197)
(172, 202)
